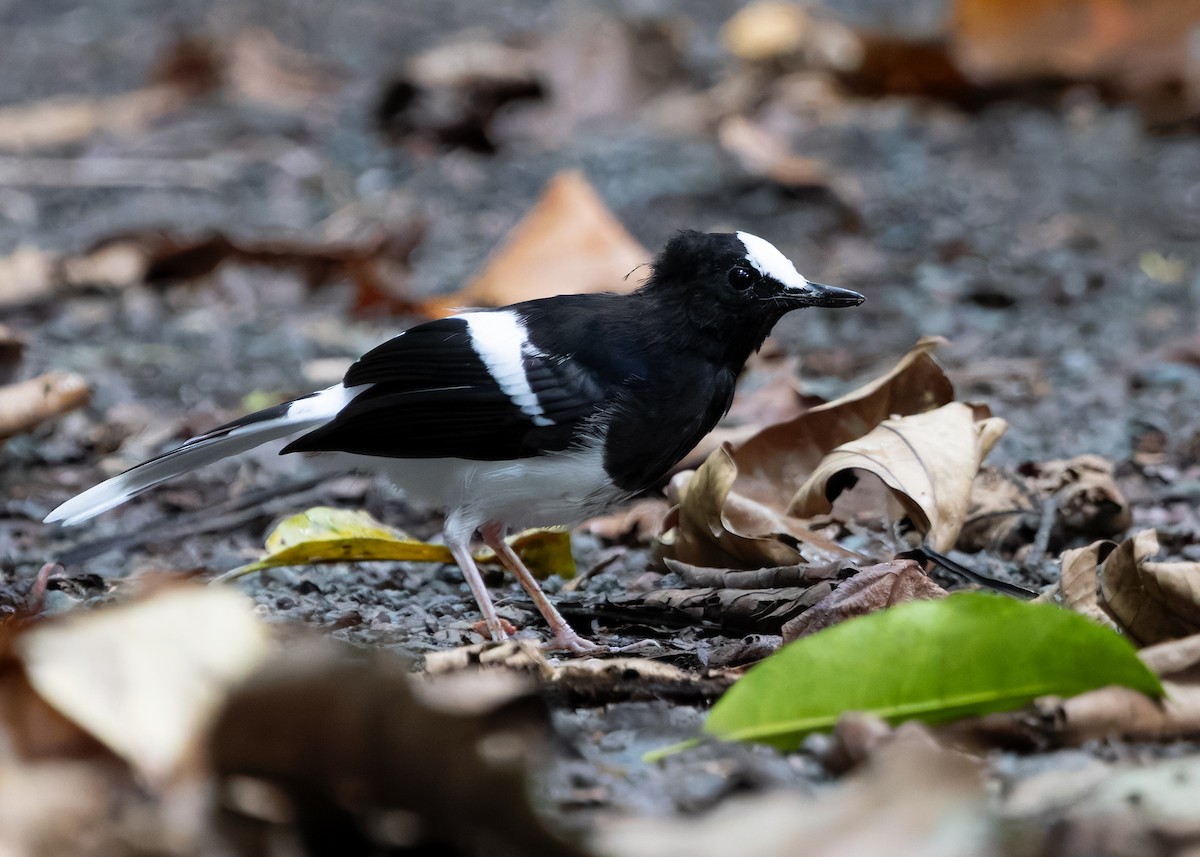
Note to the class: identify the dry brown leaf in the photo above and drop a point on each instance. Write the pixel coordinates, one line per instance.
(1178, 660)
(452, 94)
(1152, 601)
(67, 806)
(60, 121)
(734, 611)
(1138, 44)
(1124, 587)
(256, 65)
(760, 578)
(636, 523)
(377, 267)
(32, 729)
(568, 242)
(262, 70)
(773, 463)
(873, 588)
(1007, 508)
(712, 526)
(1077, 587)
(1003, 515)
(1087, 501)
(27, 404)
(733, 511)
(146, 677)
(928, 460)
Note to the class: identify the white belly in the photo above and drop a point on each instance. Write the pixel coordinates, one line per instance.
(549, 490)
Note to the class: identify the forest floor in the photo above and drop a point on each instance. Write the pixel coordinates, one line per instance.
(1053, 244)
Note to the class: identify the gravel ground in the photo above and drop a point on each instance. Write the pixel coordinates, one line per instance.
(1019, 232)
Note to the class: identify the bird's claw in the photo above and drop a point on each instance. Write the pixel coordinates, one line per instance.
(573, 643)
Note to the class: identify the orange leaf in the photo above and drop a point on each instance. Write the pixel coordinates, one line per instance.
(568, 243)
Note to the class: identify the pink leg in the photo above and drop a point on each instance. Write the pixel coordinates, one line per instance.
(462, 555)
(564, 635)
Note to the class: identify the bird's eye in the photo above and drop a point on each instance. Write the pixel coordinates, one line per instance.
(741, 277)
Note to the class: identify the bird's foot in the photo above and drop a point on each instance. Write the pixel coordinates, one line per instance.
(641, 647)
(568, 641)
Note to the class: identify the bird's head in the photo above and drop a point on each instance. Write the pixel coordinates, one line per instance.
(736, 285)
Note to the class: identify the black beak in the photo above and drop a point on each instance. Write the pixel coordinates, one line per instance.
(817, 294)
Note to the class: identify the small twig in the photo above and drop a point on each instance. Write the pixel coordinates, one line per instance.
(1041, 541)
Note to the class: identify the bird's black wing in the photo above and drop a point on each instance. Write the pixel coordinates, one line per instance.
(432, 395)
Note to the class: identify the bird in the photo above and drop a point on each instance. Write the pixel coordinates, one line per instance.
(538, 414)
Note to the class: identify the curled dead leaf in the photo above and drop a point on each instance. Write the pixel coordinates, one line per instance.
(928, 461)
(1124, 586)
(714, 526)
(735, 510)
(1153, 601)
(733, 611)
(1077, 587)
(759, 578)
(776, 460)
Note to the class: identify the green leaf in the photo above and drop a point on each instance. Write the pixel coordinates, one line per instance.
(935, 661)
(323, 534)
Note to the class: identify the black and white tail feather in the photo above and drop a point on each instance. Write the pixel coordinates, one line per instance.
(241, 435)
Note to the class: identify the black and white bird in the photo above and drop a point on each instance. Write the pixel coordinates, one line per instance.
(541, 413)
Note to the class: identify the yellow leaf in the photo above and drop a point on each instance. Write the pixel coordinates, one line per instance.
(326, 535)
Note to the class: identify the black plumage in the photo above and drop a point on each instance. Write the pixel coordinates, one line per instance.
(539, 413)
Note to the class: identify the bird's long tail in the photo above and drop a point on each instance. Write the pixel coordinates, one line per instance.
(230, 439)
